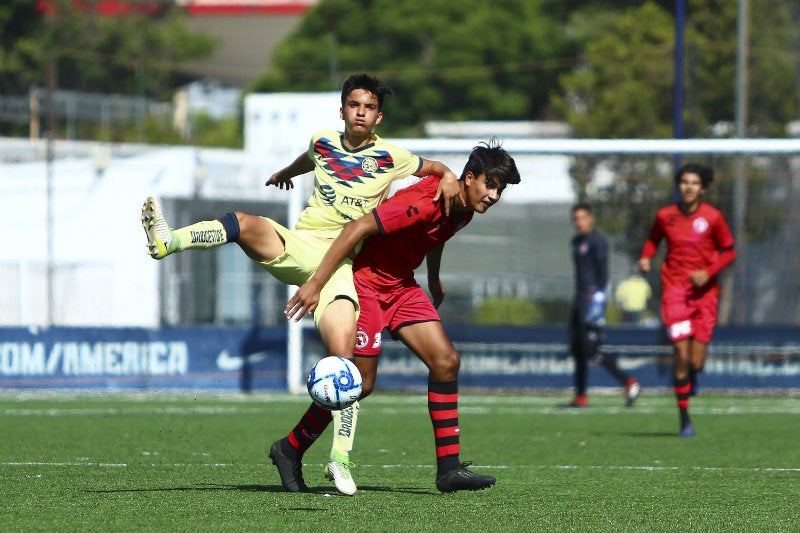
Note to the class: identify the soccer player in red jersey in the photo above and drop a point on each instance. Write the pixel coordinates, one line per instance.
(406, 229)
(699, 245)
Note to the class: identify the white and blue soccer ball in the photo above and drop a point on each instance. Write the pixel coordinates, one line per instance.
(334, 383)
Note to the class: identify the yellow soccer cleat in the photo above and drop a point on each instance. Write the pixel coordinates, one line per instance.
(159, 234)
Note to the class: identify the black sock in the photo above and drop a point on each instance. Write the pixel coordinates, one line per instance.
(231, 225)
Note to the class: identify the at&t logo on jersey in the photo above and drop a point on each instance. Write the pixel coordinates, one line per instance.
(700, 225)
(328, 194)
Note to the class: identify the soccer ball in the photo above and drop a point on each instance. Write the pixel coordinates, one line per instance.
(334, 383)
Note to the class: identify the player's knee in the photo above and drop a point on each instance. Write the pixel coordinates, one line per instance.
(367, 386)
(244, 219)
(245, 224)
(445, 366)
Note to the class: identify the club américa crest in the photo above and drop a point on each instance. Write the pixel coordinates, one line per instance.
(369, 165)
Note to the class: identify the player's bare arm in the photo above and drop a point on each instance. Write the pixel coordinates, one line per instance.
(448, 185)
(283, 178)
(433, 261)
(306, 298)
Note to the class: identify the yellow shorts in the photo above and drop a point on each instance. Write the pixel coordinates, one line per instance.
(303, 252)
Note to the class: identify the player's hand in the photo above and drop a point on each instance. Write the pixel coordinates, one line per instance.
(303, 301)
(644, 264)
(436, 287)
(699, 278)
(280, 181)
(450, 192)
(596, 313)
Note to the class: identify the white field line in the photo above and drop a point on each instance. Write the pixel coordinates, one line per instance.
(644, 468)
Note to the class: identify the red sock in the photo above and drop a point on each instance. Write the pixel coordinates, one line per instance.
(309, 428)
(682, 389)
(443, 410)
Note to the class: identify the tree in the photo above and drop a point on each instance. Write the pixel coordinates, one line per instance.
(619, 90)
(19, 21)
(623, 88)
(445, 60)
(132, 54)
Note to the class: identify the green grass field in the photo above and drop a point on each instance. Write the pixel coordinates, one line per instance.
(184, 462)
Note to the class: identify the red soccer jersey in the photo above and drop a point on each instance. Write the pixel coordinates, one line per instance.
(411, 225)
(694, 242)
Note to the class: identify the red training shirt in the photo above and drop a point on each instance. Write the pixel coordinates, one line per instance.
(695, 241)
(411, 225)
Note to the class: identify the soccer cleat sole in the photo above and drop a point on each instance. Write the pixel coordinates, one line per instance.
(156, 246)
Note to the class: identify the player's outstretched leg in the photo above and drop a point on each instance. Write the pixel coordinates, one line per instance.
(451, 474)
(163, 241)
(344, 432)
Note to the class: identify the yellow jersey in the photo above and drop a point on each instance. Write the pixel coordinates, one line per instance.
(350, 183)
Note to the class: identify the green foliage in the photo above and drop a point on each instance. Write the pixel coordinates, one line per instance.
(503, 311)
(624, 86)
(223, 133)
(619, 91)
(445, 60)
(131, 54)
(711, 66)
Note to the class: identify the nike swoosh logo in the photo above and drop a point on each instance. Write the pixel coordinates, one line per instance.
(229, 363)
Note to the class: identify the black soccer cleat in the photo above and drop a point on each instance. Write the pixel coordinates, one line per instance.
(290, 466)
(462, 479)
(687, 430)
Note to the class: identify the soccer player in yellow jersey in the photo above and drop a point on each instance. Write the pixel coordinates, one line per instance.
(353, 170)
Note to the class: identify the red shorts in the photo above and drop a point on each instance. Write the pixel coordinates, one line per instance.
(689, 313)
(402, 305)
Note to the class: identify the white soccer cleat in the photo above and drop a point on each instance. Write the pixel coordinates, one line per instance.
(339, 473)
(156, 228)
(632, 391)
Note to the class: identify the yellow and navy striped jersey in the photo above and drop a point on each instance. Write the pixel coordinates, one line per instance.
(350, 183)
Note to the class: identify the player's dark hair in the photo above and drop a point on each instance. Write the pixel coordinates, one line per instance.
(491, 160)
(706, 173)
(582, 206)
(367, 83)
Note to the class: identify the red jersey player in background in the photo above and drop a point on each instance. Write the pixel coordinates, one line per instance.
(406, 229)
(699, 246)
